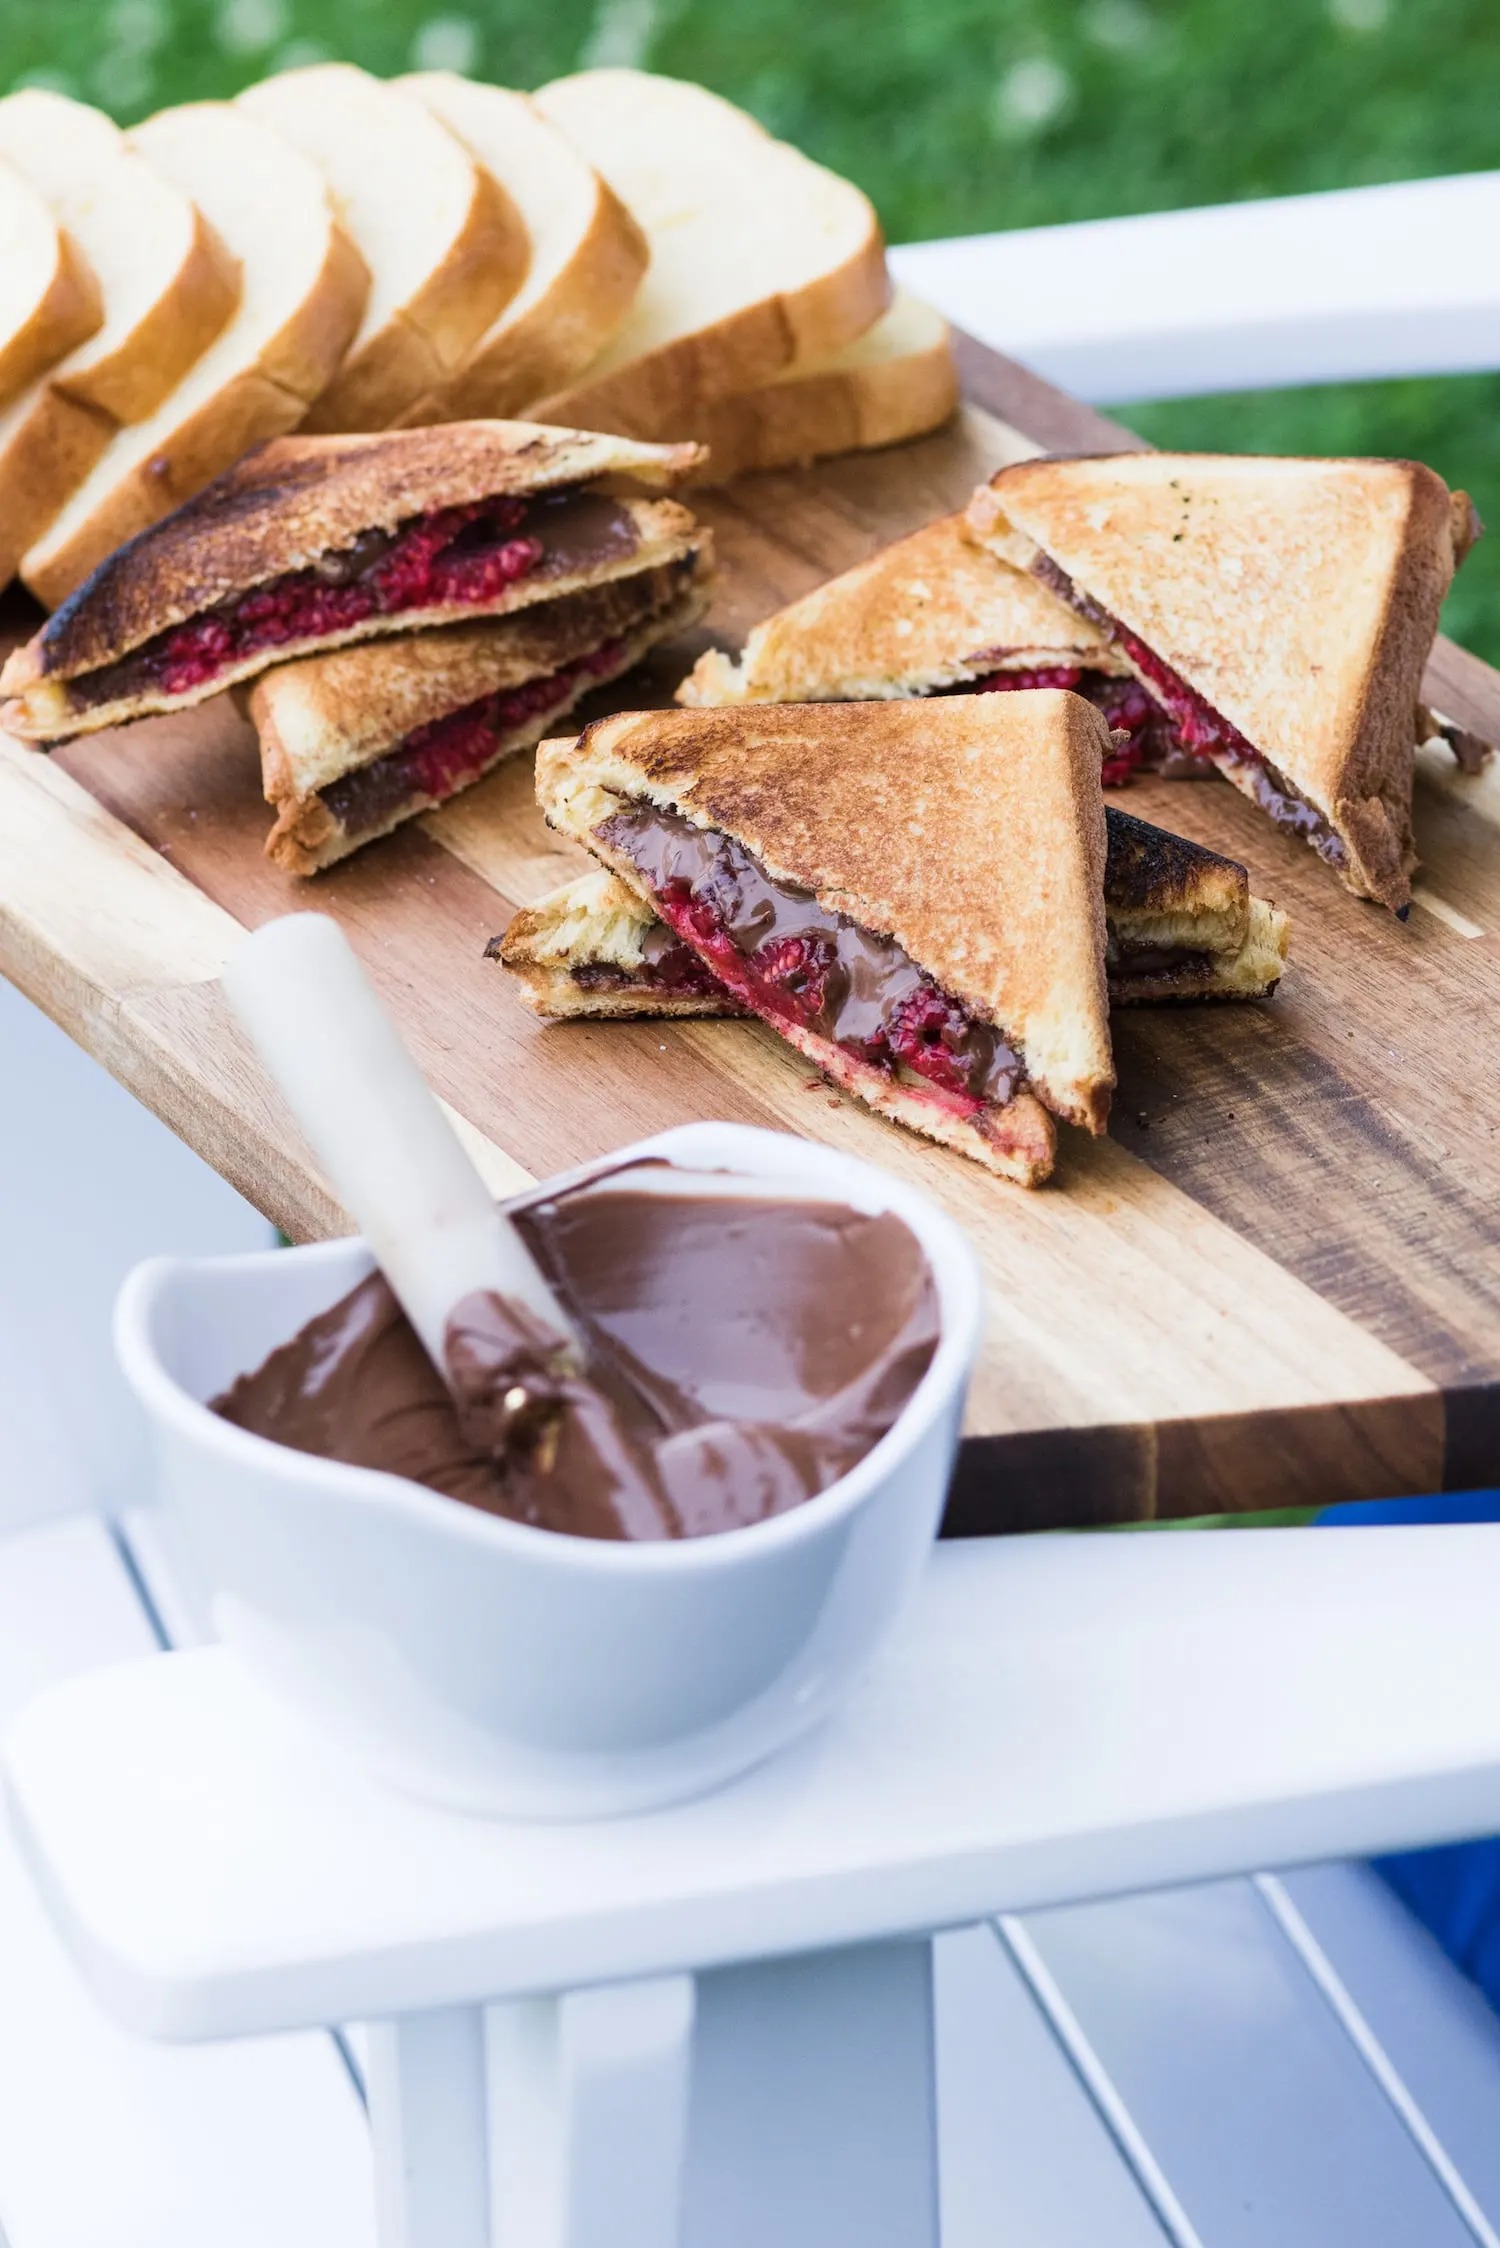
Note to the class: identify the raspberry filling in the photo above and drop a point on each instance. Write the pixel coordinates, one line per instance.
(1201, 731)
(456, 557)
(435, 761)
(785, 956)
(1127, 707)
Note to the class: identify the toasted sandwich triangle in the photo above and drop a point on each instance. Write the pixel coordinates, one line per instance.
(934, 610)
(1298, 598)
(971, 831)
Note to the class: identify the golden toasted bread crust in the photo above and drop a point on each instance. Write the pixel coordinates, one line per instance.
(306, 838)
(933, 610)
(970, 829)
(556, 996)
(1162, 890)
(287, 502)
(1299, 597)
(328, 715)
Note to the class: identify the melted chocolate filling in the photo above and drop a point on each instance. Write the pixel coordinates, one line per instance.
(792, 961)
(455, 557)
(1201, 730)
(666, 964)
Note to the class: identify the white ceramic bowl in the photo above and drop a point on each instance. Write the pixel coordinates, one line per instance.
(510, 1670)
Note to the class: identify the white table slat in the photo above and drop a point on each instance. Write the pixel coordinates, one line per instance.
(1436, 2028)
(1023, 2155)
(1351, 285)
(1054, 1719)
(105, 2142)
(1239, 2077)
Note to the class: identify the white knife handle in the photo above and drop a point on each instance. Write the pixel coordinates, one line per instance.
(390, 1154)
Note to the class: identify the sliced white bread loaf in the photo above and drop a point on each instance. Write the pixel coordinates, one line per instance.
(303, 287)
(444, 243)
(759, 258)
(587, 253)
(895, 381)
(167, 280)
(167, 285)
(49, 300)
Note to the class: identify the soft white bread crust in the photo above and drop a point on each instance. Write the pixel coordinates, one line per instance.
(933, 610)
(48, 445)
(587, 254)
(49, 299)
(445, 246)
(971, 830)
(303, 287)
(167, 287)
(1299, 597)
(760, 259)
(895, 382)
(168, 283)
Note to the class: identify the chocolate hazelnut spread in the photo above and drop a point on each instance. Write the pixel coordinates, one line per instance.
(784, 954)
(1201, 731)
(744, 1353)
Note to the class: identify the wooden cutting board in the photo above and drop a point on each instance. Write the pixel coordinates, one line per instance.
(1276, 1283)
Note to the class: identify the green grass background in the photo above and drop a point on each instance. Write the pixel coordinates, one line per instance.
(958, 116)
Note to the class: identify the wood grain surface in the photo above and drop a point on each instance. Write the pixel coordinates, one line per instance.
(1276, 1283)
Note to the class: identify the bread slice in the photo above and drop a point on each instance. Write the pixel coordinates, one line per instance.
(587, 253)
(446, 247)
(356, 742)
(964, 842)
(760, 259)
(302, 287)
(168, 281)
(930, 612)
(1284, 610)
(261, 567)
(1181, 921)
(49, 299)
(167, 284)
(595, 948)
(896, 381)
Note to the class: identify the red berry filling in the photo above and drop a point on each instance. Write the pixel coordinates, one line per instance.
(437, 760)
(455, 557)
(1200, 730)
(1124, 702)
(460, 554)
(781, 953)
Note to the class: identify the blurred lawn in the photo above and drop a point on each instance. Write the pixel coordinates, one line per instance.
(957, 117)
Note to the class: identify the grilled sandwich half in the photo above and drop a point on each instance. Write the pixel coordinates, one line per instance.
(913, 899)
(1280, 611)
(313, 543)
